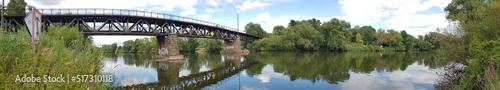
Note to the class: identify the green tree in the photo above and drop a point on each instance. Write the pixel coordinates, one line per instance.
(394, 38)
(304, 35)
(359, 39)
(128, 45)
(212, 45)
(334, 34)
(408, 40)
(382, 37)
(292, 23)
(315, 23)
(188, 44)
(474, 39)
(16, 7)
(278, 30)
(113, 47)
(368, 34)
(255, 29)
(432, 37)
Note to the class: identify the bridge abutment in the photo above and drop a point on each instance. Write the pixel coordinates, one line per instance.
(168, 48)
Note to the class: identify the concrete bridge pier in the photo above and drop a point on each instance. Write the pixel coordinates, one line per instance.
(232, 46)
(167, 48)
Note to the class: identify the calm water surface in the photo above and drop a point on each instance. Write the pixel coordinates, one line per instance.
(278, 71)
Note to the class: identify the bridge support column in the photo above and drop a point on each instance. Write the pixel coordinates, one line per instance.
(232, 46)
(168, 48)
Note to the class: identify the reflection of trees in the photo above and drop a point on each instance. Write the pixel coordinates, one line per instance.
(139, 60)
(309, 66)
(112, 57)
(212, 60)
(193, 63)
(335, 67)
(256, 69)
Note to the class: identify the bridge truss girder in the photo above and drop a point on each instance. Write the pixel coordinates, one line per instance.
(130, 25)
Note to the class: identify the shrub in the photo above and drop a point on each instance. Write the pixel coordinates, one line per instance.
(62, 50)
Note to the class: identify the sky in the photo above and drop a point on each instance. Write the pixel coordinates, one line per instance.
(417, 17)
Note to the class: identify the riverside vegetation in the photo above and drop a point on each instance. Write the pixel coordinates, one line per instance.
(61, 50)
(474, 41)
(148, 45)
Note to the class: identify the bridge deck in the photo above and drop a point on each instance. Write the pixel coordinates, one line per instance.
(133, 22)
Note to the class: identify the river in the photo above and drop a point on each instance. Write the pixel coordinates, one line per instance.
(278, 71)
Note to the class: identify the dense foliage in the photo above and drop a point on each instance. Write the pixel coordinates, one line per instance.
(61, 50)
(148, 45)
(474, 41)
(335, 35)
(17, 7)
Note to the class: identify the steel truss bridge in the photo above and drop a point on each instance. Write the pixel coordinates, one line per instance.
(131, 22)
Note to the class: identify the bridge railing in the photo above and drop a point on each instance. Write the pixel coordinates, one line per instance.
(126, 12)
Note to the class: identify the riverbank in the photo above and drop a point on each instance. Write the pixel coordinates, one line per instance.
(61, 50)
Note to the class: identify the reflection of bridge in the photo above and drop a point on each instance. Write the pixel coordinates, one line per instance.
(168, 76)
(132, 22)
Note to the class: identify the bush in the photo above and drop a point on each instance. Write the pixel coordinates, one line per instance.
(475, 72)
(361, 47)
(62, 50)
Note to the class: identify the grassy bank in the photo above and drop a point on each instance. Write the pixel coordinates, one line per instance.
(61, 50)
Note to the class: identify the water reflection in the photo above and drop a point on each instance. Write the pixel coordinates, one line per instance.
(278, 70)
(197, 71)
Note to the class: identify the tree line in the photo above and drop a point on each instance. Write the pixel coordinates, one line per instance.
(336, 35)
(148, 45)
(304, 35)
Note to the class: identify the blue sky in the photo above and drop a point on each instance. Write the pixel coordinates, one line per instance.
(417, 17)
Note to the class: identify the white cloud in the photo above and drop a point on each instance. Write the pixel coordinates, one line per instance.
(166, 5)
(277, 0)
(372, 82)
(418, 24)
(210, 10)
(188, 11)
(249, 87)
(413, 78)
(267, 73)
(415, 74)
(101, 40)
(399, 14)
(262, 18)
(217, 20)
(212, 2)
(49, 2)
(248, 5)
(205, 17)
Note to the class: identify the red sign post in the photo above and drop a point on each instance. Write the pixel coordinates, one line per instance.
(34, 22)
